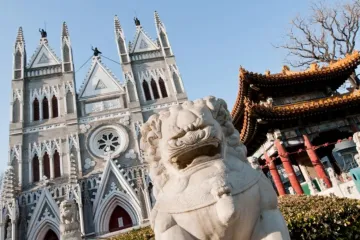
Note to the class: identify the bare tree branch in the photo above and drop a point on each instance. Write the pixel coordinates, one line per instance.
(327, 35)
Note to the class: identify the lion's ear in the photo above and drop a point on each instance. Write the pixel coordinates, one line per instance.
(150, 135)
(219, 110)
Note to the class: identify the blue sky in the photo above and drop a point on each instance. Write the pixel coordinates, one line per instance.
(210, 39)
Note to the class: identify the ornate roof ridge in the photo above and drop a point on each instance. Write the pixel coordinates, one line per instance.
(254, 111)
(352, 59)
(312, 104)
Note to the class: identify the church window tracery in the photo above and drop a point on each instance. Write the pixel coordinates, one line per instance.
(36, 109)
(45, 108)
(108, 140)
(154, 89)
(162, 88)
(146, 90)
(54, 103)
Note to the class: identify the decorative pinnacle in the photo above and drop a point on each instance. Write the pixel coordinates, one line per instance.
(65, 30)
(20, 36)
(157, 18)
(117, 24)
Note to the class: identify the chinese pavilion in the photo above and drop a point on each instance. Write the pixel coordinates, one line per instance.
(296, 125)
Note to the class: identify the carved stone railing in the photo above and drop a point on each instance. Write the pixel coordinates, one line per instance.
(44, 71)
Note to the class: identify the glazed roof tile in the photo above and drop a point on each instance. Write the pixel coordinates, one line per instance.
(344, 65)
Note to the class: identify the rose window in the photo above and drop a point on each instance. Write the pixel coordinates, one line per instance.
(108, 138)
(108, 141)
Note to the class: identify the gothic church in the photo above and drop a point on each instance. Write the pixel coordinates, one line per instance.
(83, 146)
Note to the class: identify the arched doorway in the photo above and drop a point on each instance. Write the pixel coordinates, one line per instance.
(119, 219)
(51, 235)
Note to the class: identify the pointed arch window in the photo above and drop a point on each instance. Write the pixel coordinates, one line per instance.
(57, 172)
(46, 165)
(18, 60)
(177, 83)
(36, 109)
(16, 111)
(51, 235)
(131, 91)
(54, 104)
(146, 90)
(164, 39)
(154, 89)
(45, 108)
(162, 88)
(8, 228)
(35, 168)
(66, 54)
(69, 102)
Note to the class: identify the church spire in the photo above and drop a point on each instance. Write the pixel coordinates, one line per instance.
(19, 55)
(66, 50)
(157, 19)
(120, 41)
(65, 31)
(20, 36)
(162, 35)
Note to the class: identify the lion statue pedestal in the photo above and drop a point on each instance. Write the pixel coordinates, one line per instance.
(203, 184)
(69, 222)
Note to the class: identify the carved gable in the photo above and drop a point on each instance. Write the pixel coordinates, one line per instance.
(143, 43)
(113, 179)
(43, 57)
(46, 211)
(99, 81)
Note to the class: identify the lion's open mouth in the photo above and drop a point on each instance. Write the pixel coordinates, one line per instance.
(192, 156)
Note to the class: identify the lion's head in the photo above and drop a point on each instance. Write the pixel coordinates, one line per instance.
(187, 135)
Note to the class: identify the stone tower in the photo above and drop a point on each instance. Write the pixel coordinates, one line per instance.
(74, 157)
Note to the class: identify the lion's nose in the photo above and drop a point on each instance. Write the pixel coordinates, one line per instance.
(185, 118)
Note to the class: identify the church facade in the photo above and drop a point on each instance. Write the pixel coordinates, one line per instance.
(83, 146)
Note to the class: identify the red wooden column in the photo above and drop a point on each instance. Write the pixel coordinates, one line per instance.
(275, 175)
(319, 168)
(288, 167)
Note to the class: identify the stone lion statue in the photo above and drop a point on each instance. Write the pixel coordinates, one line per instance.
(203, 185)
(69, 223)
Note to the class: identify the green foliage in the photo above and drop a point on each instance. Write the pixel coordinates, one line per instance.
(138, 234)
(319, 217)
(307, 217)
